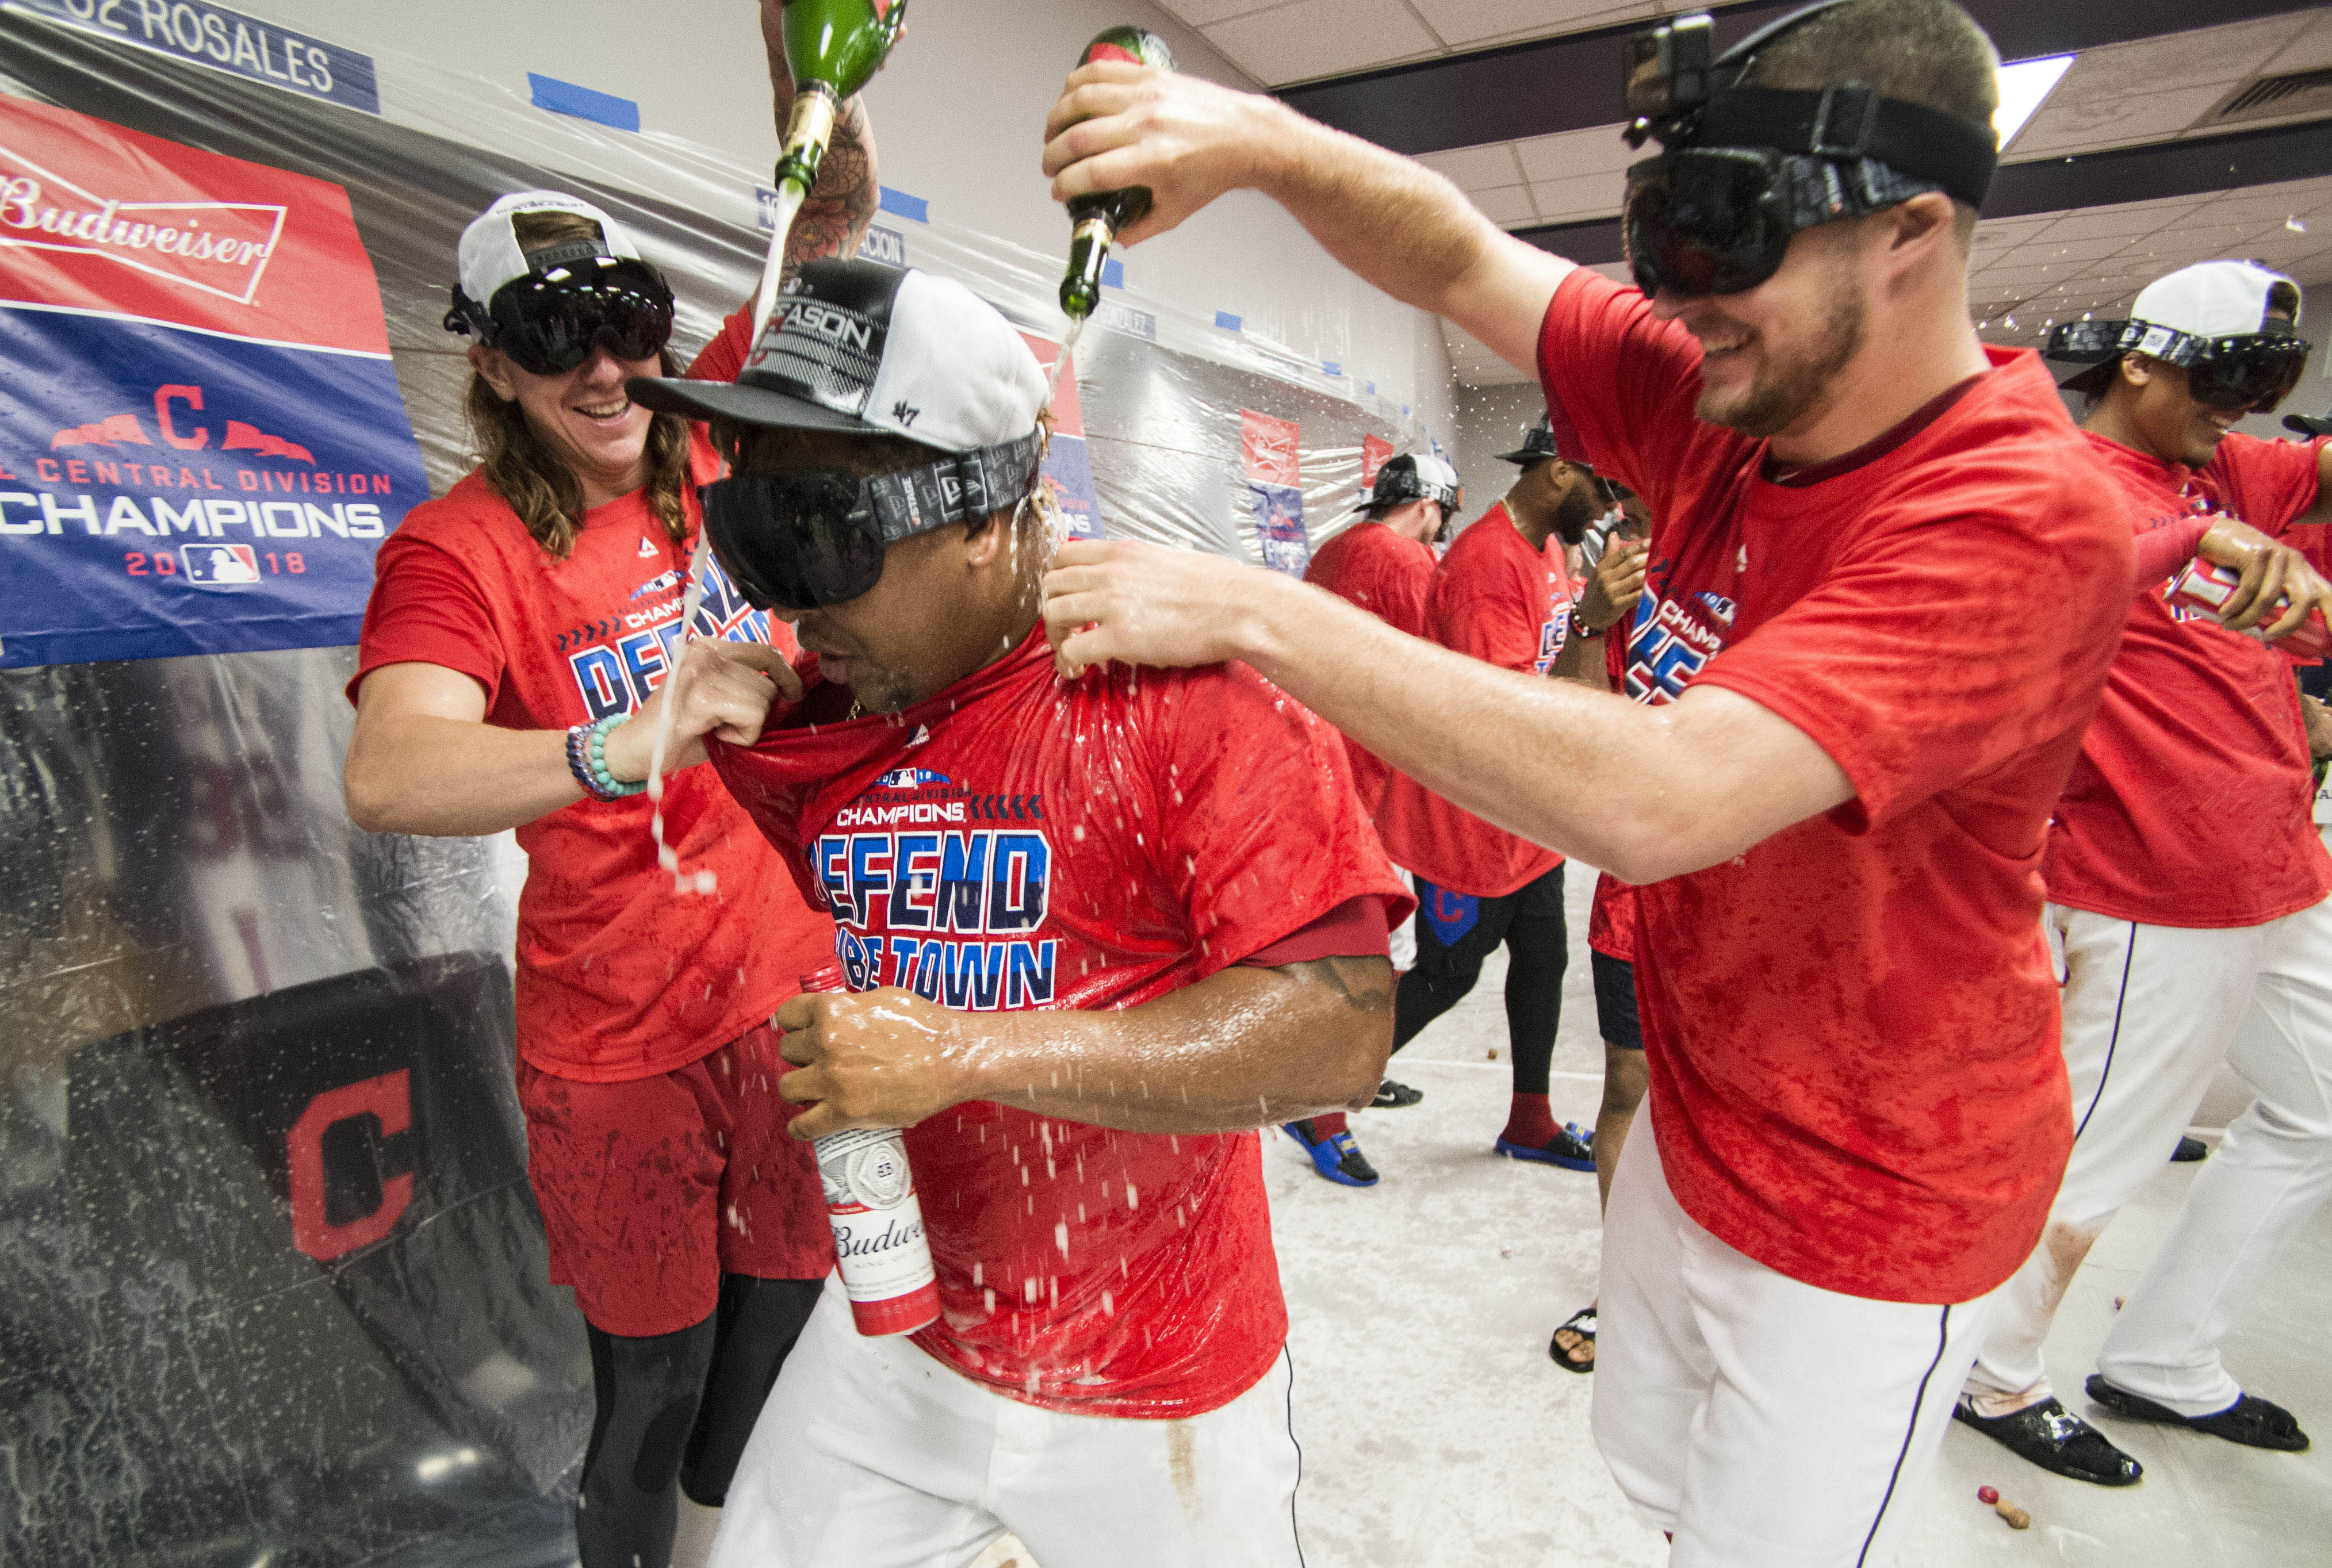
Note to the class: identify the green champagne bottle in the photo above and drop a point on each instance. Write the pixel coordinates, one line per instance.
(1095, 219)
(833, 47)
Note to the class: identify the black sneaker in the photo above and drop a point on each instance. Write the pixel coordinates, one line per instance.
(2189, 1151)
(2255, 1423)
(1392, 1096)
(2057, 1440)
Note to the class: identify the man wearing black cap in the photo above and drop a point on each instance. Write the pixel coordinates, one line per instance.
(2188, 890)
(1088, 969)
(1382, 564)
(1502, 593)
(1833, 828)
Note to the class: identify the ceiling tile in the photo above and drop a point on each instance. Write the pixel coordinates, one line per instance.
(2311, 49)
(2132, 114)
(2131, 219)
(2060, 252)
(1312, 38)
(1465, 22)
(1598, 149)
(2201, 55)
(1594, 195)
(1206, 12)
(1506, 205)
(1478, 168)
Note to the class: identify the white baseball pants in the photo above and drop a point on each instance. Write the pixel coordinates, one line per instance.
(1766, 1422)
(873, 1454)
(2149, 1012)
(1403, 937)
(2266, 1177)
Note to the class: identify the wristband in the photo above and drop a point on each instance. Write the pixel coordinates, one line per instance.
(587, 758)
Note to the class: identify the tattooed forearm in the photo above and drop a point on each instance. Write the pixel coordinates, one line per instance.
(834, 219)
(1363, 984)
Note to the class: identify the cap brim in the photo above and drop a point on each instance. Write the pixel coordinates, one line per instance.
(1522, 454)
(742, 401)
(2302, 424)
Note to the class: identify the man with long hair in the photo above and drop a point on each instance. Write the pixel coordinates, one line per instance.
(522, 640)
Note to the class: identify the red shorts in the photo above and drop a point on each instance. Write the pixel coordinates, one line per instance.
(653, 1188)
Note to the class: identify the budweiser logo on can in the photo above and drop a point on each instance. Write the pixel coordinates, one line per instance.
(2204, 587)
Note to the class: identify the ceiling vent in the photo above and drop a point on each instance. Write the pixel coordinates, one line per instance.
(2277, 98)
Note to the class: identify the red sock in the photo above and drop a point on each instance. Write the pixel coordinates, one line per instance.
(1329, 1125)
(1529, 1123)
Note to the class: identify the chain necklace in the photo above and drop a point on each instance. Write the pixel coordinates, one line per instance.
(857, 711)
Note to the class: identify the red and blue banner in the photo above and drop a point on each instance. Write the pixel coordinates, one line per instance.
(1270, 451)
(202, 443)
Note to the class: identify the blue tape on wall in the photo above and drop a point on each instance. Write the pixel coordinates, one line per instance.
(899, 203)
(582, 102)
(1330, 367)
(1113, 273)
(1227, 321)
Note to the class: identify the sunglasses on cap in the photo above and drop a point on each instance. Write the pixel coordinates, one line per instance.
(2249, 371)
(800, 538)
(551, 320)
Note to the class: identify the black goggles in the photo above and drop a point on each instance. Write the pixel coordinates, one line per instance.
(2253, 371)
(1718, 220)
(551, 320)
(803, 537)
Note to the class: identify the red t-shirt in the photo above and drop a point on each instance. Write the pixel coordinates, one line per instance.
(2191, 802)
(619, 976)
(1611, 919)
(1384, 573)
(1852, 1027)
(1495, 598)
(1019, 843)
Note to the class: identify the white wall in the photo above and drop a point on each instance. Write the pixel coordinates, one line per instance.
(959, 116)
(1490, 420)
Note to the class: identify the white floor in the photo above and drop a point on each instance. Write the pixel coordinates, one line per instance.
(1437, 1431)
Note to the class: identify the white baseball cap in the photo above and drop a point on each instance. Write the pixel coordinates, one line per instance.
(866, 348)
(2188, 315)
(491, 256)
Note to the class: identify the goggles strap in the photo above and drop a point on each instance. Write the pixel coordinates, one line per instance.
(1853, 121)
(960, 488)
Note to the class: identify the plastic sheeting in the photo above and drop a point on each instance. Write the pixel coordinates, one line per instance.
(278, 1286)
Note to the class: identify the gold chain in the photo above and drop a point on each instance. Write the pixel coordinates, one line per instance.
(856, 712)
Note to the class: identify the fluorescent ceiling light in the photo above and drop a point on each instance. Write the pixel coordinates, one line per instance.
(2022, 87)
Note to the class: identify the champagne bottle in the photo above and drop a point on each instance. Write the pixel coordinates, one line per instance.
(1096, 218)
(878, 1224)
(833, 47)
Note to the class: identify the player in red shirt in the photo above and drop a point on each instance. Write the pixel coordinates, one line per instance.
(1835, 828)
(1502, 595)
(2187, 887)
(530, 611)
(1382, 564)
(1611, 596)
(1105, 928)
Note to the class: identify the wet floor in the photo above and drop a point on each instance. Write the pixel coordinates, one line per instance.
(1435, 1430)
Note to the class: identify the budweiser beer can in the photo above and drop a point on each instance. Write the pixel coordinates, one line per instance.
(2206, 586)
(878, 1226)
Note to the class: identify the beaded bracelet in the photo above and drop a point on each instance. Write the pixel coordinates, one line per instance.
(587, 758)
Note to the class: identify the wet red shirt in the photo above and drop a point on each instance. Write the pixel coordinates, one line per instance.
(2191, 802)
(1495, 598)
(1611, 919)
(1384, 573)
(1019, 843)
(617, 976)
(1852, 1027)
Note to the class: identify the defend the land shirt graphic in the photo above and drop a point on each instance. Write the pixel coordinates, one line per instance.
(202, 443)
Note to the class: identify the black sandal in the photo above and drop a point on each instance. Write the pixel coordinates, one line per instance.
(1582, 1324)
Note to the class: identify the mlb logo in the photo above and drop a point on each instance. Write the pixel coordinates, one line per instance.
(220, 566)
(908, 777)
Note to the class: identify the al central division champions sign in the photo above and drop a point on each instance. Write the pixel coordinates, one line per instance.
(201, 439)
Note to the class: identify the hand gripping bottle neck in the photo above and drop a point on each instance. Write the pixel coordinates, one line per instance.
(878, 1225)
(1096, 218)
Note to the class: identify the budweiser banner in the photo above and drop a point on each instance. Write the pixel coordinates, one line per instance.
(1271, 450)
(201, 439)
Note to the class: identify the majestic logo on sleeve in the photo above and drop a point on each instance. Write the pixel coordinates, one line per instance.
(942, 891)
